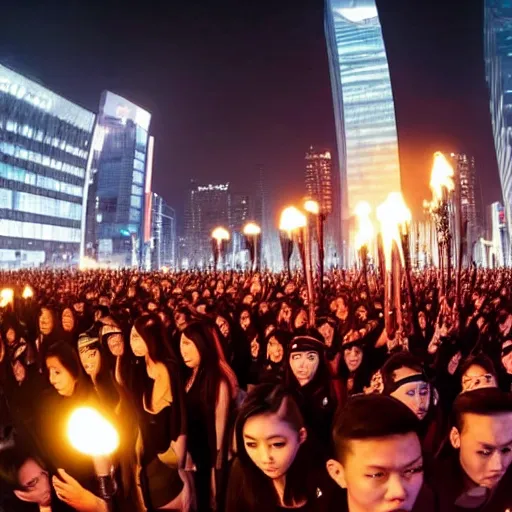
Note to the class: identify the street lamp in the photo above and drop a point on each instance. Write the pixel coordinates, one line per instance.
(6, 297)
(252, 234)
(220, 237)
(91, 434)
(28, 293)
(313, 208)
(291, 222)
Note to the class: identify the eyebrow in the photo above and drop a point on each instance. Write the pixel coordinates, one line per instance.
(266, 439)
(493, 447)
(411, 463)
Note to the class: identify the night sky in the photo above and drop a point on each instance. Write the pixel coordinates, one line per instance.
(238, 84)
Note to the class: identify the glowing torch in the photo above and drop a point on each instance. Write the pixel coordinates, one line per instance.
(365, 234)
(6, 297)
(291, 222)
(28, 293)
(91, 434)
(252, 234)
(220, 237)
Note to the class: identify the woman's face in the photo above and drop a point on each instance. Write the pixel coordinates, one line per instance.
(275, 350)
(116, 344)
(181, 320)
(137, 343)
(45, 321)
(304, 365)
(263, 308)
(245, 320)
(60, 378)
(223, 326)
(353, 358)
(327, 331)
(301, 319)
(19, 371)
(422, 321)
(416, 395)
(475, 377)
(272, 444)
(10, 336)
(285, 312)
(189, 352)
(91, 361)
(68, 320)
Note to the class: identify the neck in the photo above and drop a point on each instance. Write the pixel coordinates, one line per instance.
(279, 485)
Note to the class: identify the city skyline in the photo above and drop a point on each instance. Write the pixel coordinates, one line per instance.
(197, 100)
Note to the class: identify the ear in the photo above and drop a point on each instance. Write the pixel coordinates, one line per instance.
(455, 438)
(336, 472)
(22, 495)
(303, 435)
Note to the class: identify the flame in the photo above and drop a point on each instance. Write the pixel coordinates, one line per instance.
(365, 232)
(441, 177)
(28, 293)
(220, 234)
(392, 214)
(251, 229)
(6, 297)
(291, 219)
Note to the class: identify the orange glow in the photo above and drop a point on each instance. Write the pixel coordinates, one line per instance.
(220, 234)
(441, 177)
(291, 219)
(365, 231)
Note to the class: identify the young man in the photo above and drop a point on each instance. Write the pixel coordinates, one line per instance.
(378, 457)
(31, 483)
(475, 473)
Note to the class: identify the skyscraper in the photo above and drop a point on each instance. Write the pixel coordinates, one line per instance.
(45, 141)
(363, 104)
(122, 182)
(207, 206)
(163, 234)
(498, 71)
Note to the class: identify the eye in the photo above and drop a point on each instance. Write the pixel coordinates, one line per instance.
(280, 444)
(485, 453)
(375, 476)
(411, 392)
(506, 450)
(250, 444)
(413, 471)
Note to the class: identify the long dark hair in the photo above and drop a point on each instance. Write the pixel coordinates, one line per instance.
(151, 328)
(249, 488)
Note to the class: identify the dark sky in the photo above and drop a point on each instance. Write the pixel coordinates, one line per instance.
(235, 84)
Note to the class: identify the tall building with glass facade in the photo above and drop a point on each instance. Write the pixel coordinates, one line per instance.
(121, 183)
(363, 104)
(163, 234)
(498, 70)
(45, 143)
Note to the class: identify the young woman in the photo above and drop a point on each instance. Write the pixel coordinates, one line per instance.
(210, 389)
(273, 368)
(161, 445)
(275, 470)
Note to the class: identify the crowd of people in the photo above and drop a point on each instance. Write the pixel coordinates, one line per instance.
(227, 396)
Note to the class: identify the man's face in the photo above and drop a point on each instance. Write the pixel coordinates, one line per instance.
(381, 475)
(35, 484)
(485, 447)
(415, 395)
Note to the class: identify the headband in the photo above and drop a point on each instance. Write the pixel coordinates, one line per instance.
(505, 351)
(418, 377)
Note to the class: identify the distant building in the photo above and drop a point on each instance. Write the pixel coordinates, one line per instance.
(498, 70)
(363, 107)
(45, 142)
(122, 183)
(208, 206)
(163, 234)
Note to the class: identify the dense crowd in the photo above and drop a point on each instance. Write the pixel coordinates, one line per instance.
(226, 395)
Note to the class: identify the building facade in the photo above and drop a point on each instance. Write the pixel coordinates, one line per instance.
(208, 206)
(163, 234)
(122, 183)
(363, 105)
(45, 143)
(498, 70)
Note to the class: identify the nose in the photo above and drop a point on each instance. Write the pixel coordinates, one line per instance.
(52, 379)
(266, 455)
(496, 462)
(396, 490)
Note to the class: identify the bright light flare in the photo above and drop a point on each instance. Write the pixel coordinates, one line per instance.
(91, 434)
(312, 206)
(365, 231)
(6, 297)
(220, 234)
(28, 293)
(252, 229)
(441, 177)
(392, 214)
(291, 219)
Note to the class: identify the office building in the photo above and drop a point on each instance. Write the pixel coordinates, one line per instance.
(122, 183)
(45, 143)
(363, 105)
(498, 71)
(208, 206)
(163, 234)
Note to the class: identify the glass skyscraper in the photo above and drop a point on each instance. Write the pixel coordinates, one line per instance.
(363, 104)
(498, 70)
(121, 183)
(45, 142)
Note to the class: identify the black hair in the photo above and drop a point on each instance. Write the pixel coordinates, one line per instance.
(484, 402)
(11, 461)
(68, 357)
(395, 362)
(250, 489)
(371, 416)
(479, 360)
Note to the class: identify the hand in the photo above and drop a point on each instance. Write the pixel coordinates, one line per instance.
(73, 494)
